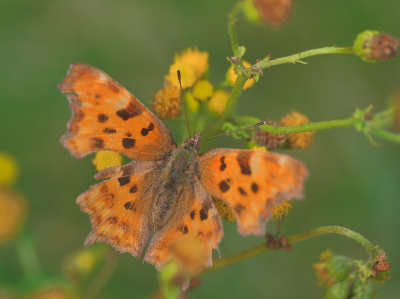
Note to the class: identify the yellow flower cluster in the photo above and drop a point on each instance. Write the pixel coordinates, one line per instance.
(193, 65)
(106, 159)
(298, 140)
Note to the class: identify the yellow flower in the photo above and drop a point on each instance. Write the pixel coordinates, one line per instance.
(189, 254)
(259, 148)
(167, 102)
(106, 159)
(224, 210)
(218, 101)
(8, 170)
(80, 264)
(203, 90)
(191, 102)
(282, 209)
(13, 210)
(198, 60)
(188, 75)
(298, 140)
(231, 76)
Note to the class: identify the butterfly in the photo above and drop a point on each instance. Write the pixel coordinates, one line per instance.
(167, 189)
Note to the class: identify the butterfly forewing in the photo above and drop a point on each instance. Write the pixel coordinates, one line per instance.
(252, 183)
(107, 117)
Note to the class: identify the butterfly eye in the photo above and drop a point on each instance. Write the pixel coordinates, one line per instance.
(187, 140)
(197, 147)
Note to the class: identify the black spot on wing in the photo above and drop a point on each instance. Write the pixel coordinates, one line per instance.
(130, 206)
(97, 143)
(223, 186)
(244, 163)
(128, 142)
(223, 165)
(242, 192)
(239, 208)
(124, 180)
(102, 118)
(133, 189)
(184, 229)
(254, 187)
(192, 214)
(145, 131)
(109, 131)
(129, 112)
(203, 215)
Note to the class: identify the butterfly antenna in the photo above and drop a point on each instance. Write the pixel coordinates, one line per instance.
(184, 105)
(253, 126)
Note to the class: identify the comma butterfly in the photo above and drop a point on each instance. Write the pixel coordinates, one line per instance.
(166, 188)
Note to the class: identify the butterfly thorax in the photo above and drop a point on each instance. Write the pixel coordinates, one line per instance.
(180, 171)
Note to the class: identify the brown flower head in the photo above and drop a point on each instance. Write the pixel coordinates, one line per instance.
(269, 140)
(274, 12)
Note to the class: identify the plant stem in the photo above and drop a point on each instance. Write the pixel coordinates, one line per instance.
(232, 101)
(27, 256)
(322, 125)
(106, 272)
(386, 135)
(261, 248)
(232, 28)
(266, 63)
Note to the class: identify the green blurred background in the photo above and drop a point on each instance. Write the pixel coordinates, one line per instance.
(351, 184)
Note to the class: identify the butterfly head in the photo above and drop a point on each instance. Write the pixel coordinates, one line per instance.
(193, 142)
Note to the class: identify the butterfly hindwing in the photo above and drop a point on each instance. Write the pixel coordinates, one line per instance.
(252, 183)
(107, 117)
(195, 216)
(119, 207)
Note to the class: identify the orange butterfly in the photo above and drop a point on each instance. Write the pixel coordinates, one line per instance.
(167, 188)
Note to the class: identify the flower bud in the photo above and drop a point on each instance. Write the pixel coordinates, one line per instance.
(371, 46)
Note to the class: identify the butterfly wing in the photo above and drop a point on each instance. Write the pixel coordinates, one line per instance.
(119, 207)
(252, 183)
(107, 117)
(196, 216)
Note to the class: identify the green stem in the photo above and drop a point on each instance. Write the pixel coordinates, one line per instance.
(261, 248)
(100, 280)
(232, 27)
(386, 135)
(322, 125)
(230, 107)
(266, 63)
(27, 256)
